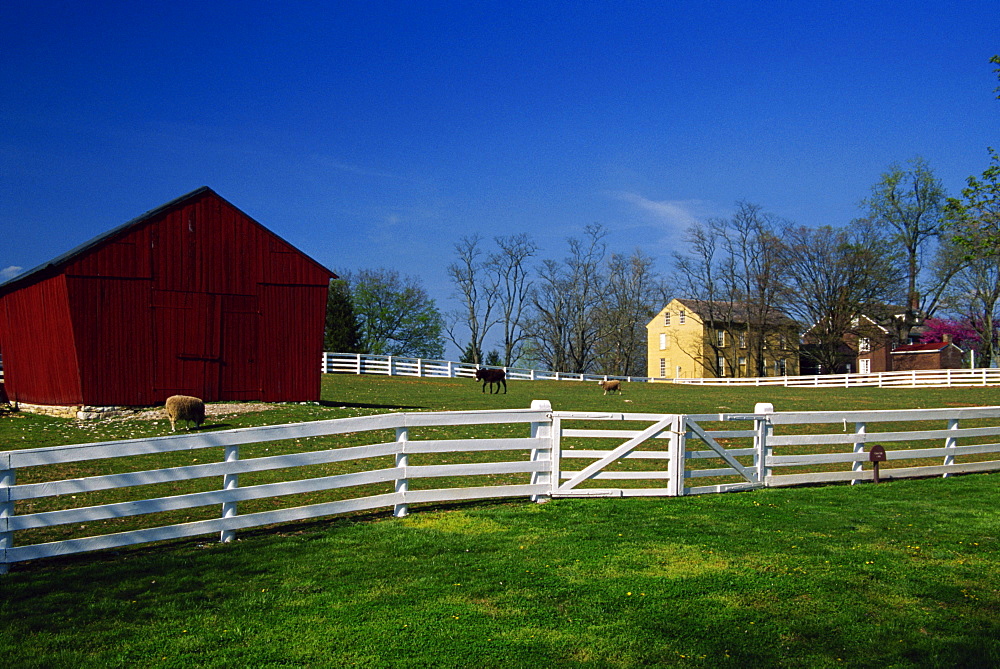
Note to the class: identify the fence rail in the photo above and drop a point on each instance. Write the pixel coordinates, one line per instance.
(360, 363)
(411, 458)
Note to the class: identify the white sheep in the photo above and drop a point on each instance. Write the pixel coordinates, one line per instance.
(611, 386)
(186, 408)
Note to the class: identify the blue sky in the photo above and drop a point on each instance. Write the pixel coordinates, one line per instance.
(377, 134)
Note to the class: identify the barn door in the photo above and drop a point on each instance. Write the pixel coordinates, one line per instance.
(187, 341)
(239, 373)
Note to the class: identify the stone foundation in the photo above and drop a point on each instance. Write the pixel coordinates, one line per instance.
(75, 411)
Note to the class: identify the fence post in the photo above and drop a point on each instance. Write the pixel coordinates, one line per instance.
(950, 442)
(229, 482)
(544, 430)
(420, 367)
(678, 453)
(326, 362)
(7, 478)
(402, 509)
(762, 429)
(359, 365)
(859, 447)
(392, 366)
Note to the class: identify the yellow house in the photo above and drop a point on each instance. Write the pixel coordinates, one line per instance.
(699, 339)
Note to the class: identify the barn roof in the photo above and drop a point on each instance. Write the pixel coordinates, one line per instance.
(54, 266)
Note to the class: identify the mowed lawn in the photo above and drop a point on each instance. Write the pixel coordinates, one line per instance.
(905, 574)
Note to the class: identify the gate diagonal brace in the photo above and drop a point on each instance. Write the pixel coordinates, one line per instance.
(718, 448)
(616, 454)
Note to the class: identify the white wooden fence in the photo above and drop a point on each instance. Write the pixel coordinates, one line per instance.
(908, 379)
(306, 470)
(360, 363)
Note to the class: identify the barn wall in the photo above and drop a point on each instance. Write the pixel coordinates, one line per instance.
(291, 342)
(112, 325)
(36, 337)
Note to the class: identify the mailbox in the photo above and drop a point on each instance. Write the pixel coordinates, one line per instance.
(876, 455)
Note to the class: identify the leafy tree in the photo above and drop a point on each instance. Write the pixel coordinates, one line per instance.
(961, 332)
(341, 334)
(910, 202)
(471, 355)
(395, 315)
(974, 219)
(996, 61)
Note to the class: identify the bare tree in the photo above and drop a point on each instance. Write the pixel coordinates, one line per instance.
(633, 294)
(549, 323)
(477, 289)
(754, 274)
(564, 327)
(585, 296)
(833, 276)
(732, 268)
(975, 296)
(513, 289)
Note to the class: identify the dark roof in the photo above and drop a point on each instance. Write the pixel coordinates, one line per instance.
(927, 347)
(53, 266)
(737, 312)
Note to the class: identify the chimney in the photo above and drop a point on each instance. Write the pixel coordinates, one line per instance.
(946, 338)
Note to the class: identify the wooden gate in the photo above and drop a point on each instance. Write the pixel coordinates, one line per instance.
(644, 467)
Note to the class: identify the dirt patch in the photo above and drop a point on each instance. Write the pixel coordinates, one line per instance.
(210, 410)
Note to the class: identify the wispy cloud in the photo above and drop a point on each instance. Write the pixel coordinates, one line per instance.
(8, 273)
(676, 214)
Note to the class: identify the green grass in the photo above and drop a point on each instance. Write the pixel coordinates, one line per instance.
(902, 574)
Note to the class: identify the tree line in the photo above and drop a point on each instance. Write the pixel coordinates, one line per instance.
(585, 313)
(915, 257)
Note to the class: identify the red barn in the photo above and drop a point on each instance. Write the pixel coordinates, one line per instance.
(194, 298)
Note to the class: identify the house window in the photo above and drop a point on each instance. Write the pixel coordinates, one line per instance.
(682, 317)
(743, 366)
(663, 341)
(864, 345)
(663, 368)
(721, 362)
(865, 366)
(782, 343)
(780, 368)
(666, 318)
(720, 338)
(743, 340)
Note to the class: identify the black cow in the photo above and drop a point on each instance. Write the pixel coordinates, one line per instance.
(492, 376)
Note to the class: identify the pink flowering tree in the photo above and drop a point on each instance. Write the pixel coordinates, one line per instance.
(962, 333)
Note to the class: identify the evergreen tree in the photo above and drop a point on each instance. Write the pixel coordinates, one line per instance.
(341, 333)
